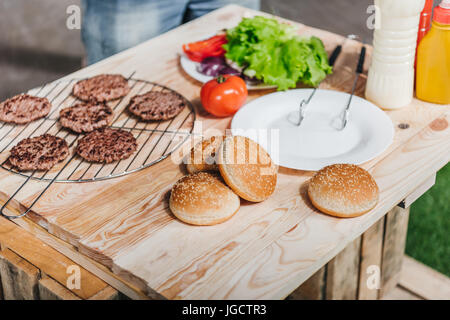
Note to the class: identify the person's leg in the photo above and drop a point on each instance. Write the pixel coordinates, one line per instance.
(197, 8)
(110, 26)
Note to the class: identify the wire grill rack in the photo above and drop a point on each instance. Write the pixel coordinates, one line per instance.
(156, 140)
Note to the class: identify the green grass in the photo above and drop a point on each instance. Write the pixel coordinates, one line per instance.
(428, 238)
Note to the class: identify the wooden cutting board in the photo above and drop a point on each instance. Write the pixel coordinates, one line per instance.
(124, 228)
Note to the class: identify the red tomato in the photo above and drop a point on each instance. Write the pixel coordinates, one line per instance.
(224, 95)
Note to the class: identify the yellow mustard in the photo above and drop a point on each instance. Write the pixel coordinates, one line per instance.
(433, 65)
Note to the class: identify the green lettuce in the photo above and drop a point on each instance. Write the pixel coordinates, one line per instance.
(273, 53)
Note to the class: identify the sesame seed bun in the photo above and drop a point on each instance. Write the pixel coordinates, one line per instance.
(247, 168)
(203, 155)
(203, 199)
(343, 190)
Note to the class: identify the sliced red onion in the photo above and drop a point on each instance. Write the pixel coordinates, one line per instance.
(215, 66)
(229, 70)
(211, 66)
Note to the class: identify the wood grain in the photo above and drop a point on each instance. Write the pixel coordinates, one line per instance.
(109, 293)
(124, 224)
(343, 273)
(94, 267)
(1, 288)
(418, 192)
(51, 264)
(293, 263)
(312, 289)
(399, 293)
(396, 226)
(19, 277)
(371, 254)
(49, 289)
(424, 281)
(46, 258)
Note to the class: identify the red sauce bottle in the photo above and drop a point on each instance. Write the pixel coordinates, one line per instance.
(425, 23)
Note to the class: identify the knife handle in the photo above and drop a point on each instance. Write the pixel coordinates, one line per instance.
(362, 57)
(334, 55)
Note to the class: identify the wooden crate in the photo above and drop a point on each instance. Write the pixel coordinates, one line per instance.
(35, 271)
(377, 256)
(344, 277)
(31, 270)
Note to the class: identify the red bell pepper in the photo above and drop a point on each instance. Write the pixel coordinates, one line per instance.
(212, 47)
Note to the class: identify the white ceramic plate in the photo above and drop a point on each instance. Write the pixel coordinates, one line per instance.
(190, 67)
(317, 142)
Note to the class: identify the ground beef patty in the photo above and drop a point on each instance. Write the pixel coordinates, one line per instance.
(155, 105)
(38, 153)
(86, 117)
(101, 88)
(24, 108)
(107, 145)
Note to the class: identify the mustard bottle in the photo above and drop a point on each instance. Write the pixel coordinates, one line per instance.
(433, 59)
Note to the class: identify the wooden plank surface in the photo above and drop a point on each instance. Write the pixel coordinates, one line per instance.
(125, 225)
(370, 265)
(312, 289)
(1, 288)
(343, 273)
(416, 281)
(424, 281)
(19, 277)
(419, 282)
(396, 227)
(355, 273)
(399, 293)
(418, 192)
(49, 289)
(21, 250)
(301, 251)
(92, 266)
(108, 293)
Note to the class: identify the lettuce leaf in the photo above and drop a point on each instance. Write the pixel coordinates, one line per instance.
(272, 52)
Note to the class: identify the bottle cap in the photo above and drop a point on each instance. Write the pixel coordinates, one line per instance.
(442, 12)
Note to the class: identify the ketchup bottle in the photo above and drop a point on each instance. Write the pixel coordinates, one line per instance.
(425, 20)
(424, 24)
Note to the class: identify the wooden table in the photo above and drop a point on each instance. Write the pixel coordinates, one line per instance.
(122, 231)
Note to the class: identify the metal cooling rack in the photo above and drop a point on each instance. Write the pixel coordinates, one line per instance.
(156, 140)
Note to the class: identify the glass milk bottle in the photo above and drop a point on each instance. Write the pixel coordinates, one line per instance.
(390, 82)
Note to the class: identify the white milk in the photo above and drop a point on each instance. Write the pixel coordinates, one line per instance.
(390, 83)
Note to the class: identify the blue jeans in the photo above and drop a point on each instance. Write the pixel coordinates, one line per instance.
(110, 26)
